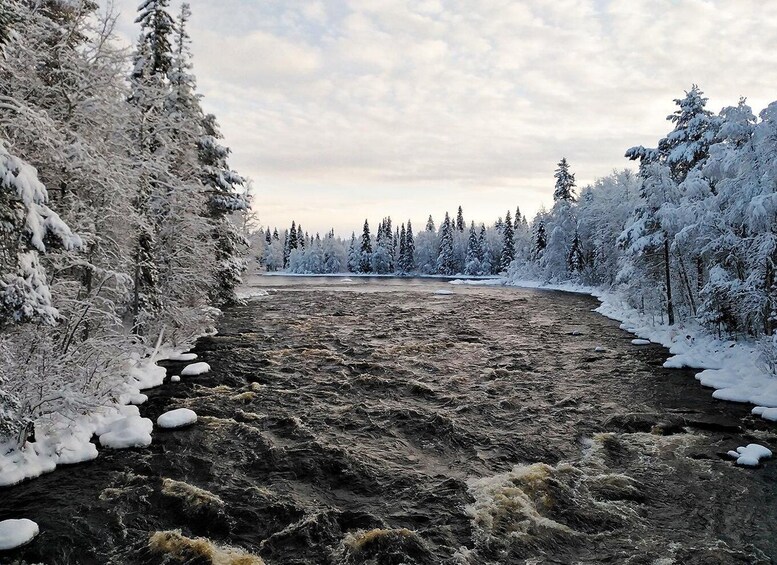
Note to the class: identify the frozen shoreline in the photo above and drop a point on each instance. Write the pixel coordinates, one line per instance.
(61, 441)
(734, 369)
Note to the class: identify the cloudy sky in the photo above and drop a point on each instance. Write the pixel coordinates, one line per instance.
(345, 109)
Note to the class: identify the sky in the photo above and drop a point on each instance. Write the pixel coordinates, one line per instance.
(342, 110)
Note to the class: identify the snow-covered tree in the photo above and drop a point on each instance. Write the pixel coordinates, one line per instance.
(365, 250)
(565, 182)
(508, 244)
(445, 259)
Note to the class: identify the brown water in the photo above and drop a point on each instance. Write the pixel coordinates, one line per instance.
(378, 422)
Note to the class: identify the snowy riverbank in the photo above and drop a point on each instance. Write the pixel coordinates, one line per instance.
(61, 441)
(735, 369)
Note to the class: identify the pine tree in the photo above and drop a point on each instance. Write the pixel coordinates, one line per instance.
(508, 245)
(565, 182)
(519, 219)
(365, 251)
(430, 224)
(268, 236)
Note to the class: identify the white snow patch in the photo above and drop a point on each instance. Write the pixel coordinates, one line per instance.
(18, 532)
(640, 342)
(147, 375)
(183, 357)
(599, 349)
(346, 280)
(195, 369)
(443, 292)
(751, 455)
(175, 379)
(137, 399)
(177, 418)
(128, 431)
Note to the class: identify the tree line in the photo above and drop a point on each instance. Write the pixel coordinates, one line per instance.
(692, 235)
(116, 199)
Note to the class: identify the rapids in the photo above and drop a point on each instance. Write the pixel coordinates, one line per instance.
(383, 422)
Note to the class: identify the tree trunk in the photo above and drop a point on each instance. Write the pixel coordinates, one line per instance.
(669, 306)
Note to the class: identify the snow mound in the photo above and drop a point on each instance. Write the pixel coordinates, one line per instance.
(183, 357)
(147, 375)
(195, 369)
(129, 431)
(15, 533)
(751, 455)
(640, 342)
(177, 418)
(175, 379)
(766, 413)
(137, 399)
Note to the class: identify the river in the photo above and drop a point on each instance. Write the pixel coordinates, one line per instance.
(391, 421)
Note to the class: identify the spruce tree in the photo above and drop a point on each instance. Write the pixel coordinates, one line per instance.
(565, 182)
(430, 224)
(445, 260)
(575, 260)
(508, 243)
(474, 253)
(409, 248)
(402, 251)
(365, 250)
(157, 26)
(540, 239)
(293, 244)
(460, 225)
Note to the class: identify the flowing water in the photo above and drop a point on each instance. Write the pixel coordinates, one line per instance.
(389, 422)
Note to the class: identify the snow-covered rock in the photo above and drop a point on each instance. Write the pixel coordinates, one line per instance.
(177, 418)
(195, 369)
(640, 342)
(750, 455)
(129, 431)
(175, 379)
(599, 349)
(15, 533)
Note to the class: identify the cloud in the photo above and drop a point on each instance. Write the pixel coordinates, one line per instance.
(344, 104)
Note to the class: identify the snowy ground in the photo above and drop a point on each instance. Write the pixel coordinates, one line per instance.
(735, 370)
(60, 441)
